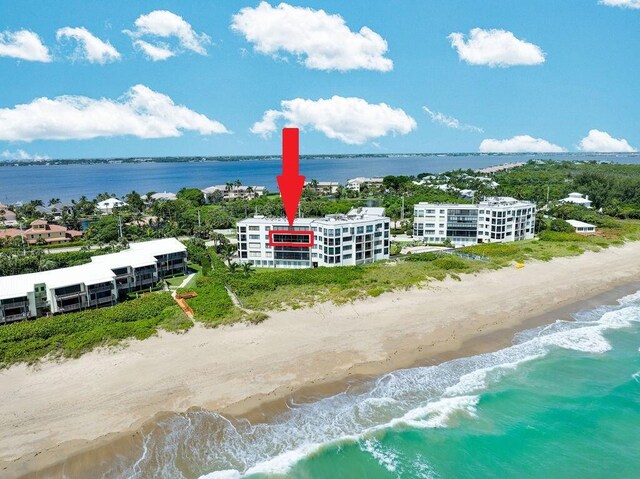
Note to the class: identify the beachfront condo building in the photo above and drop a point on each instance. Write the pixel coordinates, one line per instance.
(492, 220)
(360, 236)
(102, 282)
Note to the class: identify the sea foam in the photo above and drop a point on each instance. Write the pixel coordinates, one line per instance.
(424, 397)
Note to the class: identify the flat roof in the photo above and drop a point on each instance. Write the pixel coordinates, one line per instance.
(308, 222)
(23, 284)
(580, 224)
(158, 247)
(122, 259)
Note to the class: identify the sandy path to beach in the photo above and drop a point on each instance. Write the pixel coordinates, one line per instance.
(235, 368)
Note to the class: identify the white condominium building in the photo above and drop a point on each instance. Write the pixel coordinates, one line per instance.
(102, 282)
(356, 184)
(493, 220)
(360, 236)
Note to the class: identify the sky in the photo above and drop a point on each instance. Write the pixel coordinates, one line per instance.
(89, 79)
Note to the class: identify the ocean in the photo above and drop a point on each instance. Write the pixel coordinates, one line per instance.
(562, 401)
(70, 181)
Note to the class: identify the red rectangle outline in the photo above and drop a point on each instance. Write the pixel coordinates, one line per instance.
(292, 232)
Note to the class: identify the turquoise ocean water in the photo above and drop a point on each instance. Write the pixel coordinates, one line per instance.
(562, 402)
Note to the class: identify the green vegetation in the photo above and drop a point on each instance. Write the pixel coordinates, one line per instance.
(71, 335)
(31, 260)
(614, 189)
(554, 244)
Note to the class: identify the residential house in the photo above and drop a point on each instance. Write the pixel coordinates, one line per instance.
(107, 206)
(42, 231)
(582, 227)
(7, 217)
(577, 199)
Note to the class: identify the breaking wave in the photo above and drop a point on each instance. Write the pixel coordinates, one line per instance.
(207, 445)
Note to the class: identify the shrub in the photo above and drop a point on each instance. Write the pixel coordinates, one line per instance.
(561, 226)
(422, 257)
(549, 235)
(451, 263)
(374, 292)
(256, 317)
(73, 334)
(493, 250)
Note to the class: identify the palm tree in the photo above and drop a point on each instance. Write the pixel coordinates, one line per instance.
(237, 183)
(233, 268)
(227, 253)
(248, 269)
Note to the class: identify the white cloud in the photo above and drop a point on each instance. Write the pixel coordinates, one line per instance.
(321, 41)
(519, 144)
(140, 112)
(21, 155)
(165, 24)
(24, 45)
(602, 142)
(89, 47)
(634, 4)
(350, 120)
(449, 121)
(156, 52)
(495, 48)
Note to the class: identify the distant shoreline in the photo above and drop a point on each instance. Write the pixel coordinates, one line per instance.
(225, 158)
(86, 410)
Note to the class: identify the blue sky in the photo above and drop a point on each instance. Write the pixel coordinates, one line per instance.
(566, 78)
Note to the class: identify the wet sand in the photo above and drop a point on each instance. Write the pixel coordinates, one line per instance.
(78, 413)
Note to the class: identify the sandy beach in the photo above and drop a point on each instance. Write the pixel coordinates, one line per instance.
(56, 410)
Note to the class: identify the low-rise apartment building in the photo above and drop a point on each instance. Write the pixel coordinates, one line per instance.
(232, 192)
(356, 184)
(493, 220)
(322, 187)
(102, 282)
(360, 236)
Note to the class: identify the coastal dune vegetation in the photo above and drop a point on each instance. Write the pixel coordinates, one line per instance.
(73, 334)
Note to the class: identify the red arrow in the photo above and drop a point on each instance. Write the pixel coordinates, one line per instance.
(290, 182)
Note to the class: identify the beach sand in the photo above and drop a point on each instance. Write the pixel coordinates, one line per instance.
(98, 404)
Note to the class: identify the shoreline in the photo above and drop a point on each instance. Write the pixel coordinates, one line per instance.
(381, 335)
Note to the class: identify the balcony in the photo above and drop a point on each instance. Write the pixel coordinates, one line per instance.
(61, 297)
(70, 307)
(100, 289)
(101, 301)
(14, 317)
